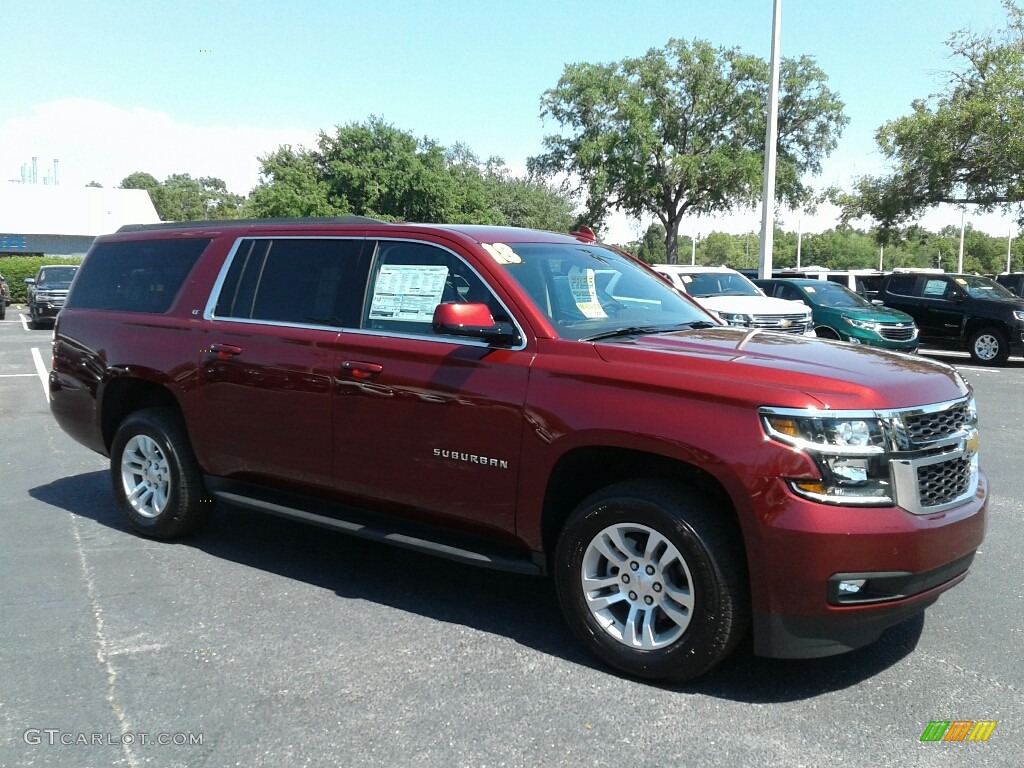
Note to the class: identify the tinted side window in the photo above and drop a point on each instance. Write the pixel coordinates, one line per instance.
(138, 276)
(410, 279)
(903, 285)
(295, 280)
(789, 293)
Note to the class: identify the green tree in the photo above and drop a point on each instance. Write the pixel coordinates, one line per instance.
(182, 198)
(964, 146)
(292, 184)
(651, 247)
(681, 131)
(374, 169)
(94, 184)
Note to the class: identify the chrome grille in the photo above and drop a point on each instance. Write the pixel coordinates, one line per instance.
(929, 427)
(944, 482)
(795, 323)
(897, 333)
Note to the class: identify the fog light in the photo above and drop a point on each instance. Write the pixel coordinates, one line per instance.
(851, 586)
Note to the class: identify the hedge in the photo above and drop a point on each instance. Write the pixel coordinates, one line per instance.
(16, 268)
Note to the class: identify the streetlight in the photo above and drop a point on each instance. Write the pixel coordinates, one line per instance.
(770, 151)
(960, 257)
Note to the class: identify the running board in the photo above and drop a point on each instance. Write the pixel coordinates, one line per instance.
(383, 534)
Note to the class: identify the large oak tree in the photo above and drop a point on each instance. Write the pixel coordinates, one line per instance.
(375, 169)
(681, 131)
(963, 146)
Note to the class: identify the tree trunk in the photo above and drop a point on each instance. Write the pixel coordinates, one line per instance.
(671, 243)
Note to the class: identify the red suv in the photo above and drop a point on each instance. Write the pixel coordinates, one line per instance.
(527, 401)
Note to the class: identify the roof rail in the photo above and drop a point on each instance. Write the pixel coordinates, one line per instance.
(251, 222)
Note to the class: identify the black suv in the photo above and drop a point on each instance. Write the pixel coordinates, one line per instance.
(47, 292)
(960, 311)
(1012, 281)
(5, 296)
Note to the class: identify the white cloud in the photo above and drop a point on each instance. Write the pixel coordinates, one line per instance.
(98, 141)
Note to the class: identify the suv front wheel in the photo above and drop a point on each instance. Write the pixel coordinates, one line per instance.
(651, 578)
(989, 346)
(155, 476)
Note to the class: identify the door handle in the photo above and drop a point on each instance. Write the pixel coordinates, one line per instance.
(360, 370)
(225, 351)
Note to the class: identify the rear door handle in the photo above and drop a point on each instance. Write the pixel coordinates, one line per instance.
(361, 370)
(225, 351)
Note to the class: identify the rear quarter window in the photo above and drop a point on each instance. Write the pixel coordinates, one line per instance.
(903, 285)
(135, 276)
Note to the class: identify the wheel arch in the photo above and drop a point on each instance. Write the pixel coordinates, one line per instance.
(124, 395)
(584, 470)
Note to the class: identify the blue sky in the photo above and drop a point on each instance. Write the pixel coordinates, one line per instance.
(205, 87)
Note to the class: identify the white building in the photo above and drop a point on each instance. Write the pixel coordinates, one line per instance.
(51, 220)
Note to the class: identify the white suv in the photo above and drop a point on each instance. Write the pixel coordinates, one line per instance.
(738, 301)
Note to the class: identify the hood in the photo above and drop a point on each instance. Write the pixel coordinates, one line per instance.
(752, 305)
(785, 370)
(875, 314)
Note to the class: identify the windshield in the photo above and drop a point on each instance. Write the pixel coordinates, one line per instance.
(704, 284)
(590, 290)
(983, 288)
(828, 294)
(56, 277)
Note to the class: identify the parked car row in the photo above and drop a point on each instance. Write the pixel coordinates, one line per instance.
(894, 311)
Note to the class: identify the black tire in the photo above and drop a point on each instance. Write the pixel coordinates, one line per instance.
(152, 454)
(709, 572)
(989, 346)
(824, 332)
(3, 309)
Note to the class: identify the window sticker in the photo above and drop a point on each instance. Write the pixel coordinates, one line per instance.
(686, 279)
(584, 293)
(935, 288)
(809, 288)
(961, 281)
(407, 292)
(502, 253)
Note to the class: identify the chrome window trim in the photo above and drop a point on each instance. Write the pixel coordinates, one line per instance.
(218, 285)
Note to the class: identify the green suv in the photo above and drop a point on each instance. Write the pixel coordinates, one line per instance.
(839, 313)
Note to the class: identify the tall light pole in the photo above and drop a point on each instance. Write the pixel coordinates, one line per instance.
(799, 239)
(960, 256)
(1009, 249)
(693, 248)
(764, 269)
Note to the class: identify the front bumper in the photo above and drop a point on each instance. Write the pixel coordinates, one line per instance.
(905, 560)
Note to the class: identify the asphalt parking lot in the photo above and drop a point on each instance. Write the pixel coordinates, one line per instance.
(262, 642)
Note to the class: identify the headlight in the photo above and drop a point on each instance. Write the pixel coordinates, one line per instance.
(850, 454)
(863, 324)
(1018, 314)
(736, 318)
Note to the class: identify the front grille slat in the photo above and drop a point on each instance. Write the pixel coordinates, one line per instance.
(795, 323)
(944, 482)
(930, 427)
(894, 333)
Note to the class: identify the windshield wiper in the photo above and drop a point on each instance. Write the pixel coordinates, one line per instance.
(641, 330)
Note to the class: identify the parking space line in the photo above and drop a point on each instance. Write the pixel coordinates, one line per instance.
(41, 370)
(15, 375)
(24, 321)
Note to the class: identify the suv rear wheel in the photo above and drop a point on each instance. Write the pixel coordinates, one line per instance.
(989, 346)
(155, 476)
(651, 578)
